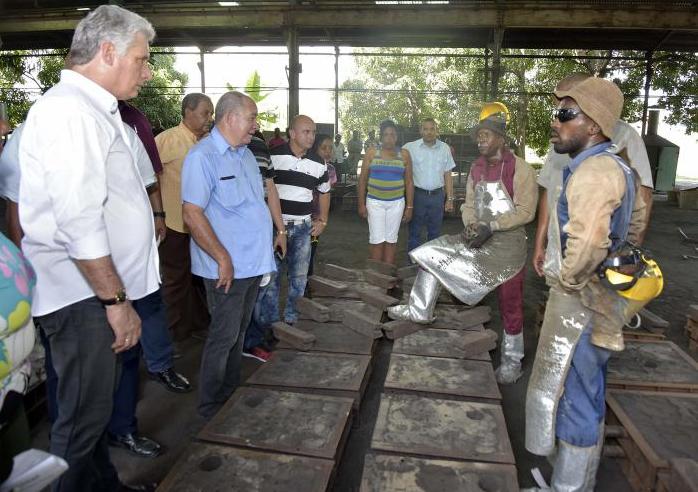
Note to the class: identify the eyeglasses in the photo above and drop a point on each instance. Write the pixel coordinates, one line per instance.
(565, 114)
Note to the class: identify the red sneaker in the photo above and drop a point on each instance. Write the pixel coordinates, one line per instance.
(257, 353)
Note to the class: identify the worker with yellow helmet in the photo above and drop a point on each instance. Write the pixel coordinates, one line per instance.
(501, 196)
(597, 279)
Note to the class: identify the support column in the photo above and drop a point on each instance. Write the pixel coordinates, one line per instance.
(496, 62)
(486, 80)
(336, 90)
(202, 70)
(649, 70)
(293, 70)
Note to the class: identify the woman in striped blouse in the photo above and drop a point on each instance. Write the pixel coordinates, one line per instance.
(385, 193)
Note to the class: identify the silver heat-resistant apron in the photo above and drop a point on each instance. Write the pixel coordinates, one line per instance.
(471, 273)
(565, 319)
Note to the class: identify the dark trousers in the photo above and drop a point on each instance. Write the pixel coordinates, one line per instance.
(87, 370)
(157, 352)
(428, 212)
(222, 354)
(510, 300)
(183, 292)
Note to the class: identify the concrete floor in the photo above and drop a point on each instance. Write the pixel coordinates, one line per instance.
(171, 419)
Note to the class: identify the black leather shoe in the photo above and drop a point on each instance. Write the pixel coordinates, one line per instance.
(138, 445)
(172, 380)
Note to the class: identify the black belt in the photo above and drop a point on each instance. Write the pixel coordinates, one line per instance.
(430, 192)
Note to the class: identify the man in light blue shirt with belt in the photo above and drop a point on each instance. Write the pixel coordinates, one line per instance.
(223, 207)
(432, 163)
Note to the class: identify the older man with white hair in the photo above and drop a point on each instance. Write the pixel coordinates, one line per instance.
(89, 233)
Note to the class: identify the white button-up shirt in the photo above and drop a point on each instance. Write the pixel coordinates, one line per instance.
(81, 196)
(429, 163)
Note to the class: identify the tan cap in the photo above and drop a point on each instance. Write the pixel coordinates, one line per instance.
(600, 99)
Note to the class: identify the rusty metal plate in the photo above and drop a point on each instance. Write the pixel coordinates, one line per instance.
(312, 370)
(282, 421)
(334, 338)
(433, 427)
(385, 473)
(439, 376)
(654, 366)
(210, 467)
(663, 425)
(435, 343)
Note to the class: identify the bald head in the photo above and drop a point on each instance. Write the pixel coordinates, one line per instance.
(302, 134)
(571, 80)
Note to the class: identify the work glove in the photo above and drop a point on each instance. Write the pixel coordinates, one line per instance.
(479, 235)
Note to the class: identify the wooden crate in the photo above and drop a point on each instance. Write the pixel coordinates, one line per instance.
(205, 466)
(319, 373)
(442, 378)
(642, 335)
(653, 366)
(439, 428)
(385, 473)
(282, 421)
(659, 426)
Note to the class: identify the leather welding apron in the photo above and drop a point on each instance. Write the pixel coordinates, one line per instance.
(565, 319)
(471, 273)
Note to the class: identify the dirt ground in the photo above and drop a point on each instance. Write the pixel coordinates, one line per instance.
(171, 420)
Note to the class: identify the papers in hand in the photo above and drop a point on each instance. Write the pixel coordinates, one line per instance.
(33, 470)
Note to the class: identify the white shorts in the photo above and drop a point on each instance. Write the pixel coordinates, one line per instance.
(384, 218)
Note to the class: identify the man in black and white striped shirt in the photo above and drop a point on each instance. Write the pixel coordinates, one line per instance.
(296, 176)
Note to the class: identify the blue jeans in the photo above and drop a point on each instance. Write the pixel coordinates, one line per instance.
(297, 260)
(266, 312)
(582, 406)
(155, 336)
(428, 212)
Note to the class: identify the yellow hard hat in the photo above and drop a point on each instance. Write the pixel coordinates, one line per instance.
(495, 110)
(642, 286)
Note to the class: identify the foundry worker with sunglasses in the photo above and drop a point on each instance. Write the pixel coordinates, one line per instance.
(595, 212)
(626, 141)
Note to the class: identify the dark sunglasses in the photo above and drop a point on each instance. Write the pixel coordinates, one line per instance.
(565, 114)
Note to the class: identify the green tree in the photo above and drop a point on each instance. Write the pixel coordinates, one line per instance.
(451, 89)
(253, 88)
(161, 98)
(25, 75)
(676, 76)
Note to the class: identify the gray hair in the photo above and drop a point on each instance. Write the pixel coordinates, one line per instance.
(228, 103)
(107, 23)
(192, 101)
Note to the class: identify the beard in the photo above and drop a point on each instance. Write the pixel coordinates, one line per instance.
(571, 145)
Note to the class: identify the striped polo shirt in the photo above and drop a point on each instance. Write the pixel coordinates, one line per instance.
(295, 179)
(386, 177)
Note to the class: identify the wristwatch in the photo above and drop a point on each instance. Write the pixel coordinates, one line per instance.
(159, 214)
(119, 298)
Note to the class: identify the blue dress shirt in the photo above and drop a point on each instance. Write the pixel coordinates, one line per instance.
(226, 183)
(429, 163)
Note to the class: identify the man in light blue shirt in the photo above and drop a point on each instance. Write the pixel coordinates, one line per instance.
(432, 163)
(224, 209)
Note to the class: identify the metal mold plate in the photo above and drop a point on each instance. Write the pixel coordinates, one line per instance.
(431, 427)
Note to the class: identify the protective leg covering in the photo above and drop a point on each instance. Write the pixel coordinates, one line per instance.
(574, 468)
(509, 370)
(423, 297)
